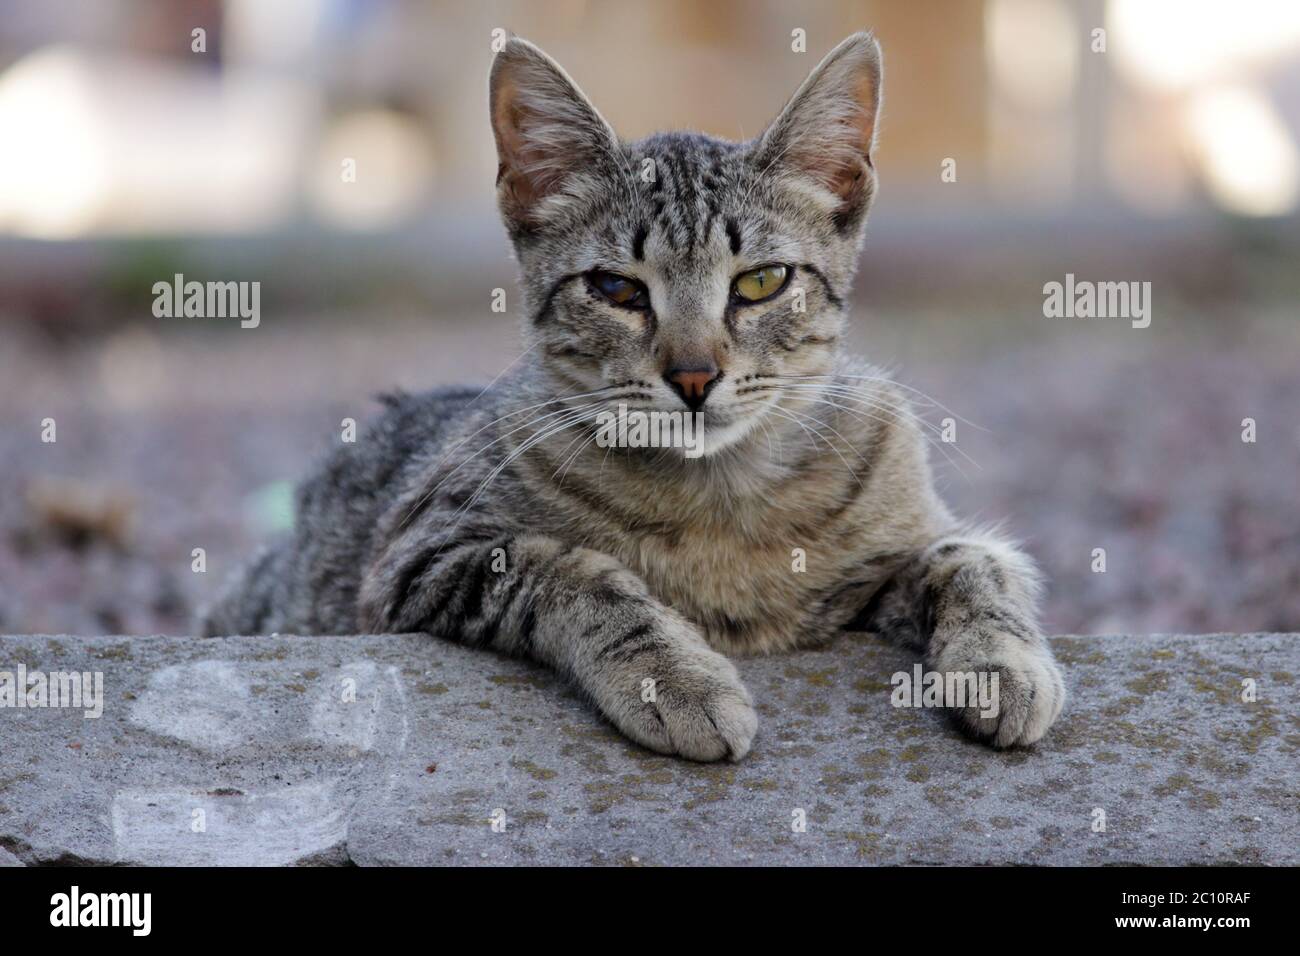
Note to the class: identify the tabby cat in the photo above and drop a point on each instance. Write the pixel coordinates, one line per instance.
(685, 273)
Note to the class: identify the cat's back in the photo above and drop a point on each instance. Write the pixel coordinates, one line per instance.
(362, 476)
(307, 581)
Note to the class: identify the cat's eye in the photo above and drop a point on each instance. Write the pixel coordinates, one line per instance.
(758, 285)
(620, 289)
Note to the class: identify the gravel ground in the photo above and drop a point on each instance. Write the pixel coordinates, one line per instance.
(1092, 438)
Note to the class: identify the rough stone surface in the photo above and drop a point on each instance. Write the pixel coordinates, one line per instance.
(400, 750)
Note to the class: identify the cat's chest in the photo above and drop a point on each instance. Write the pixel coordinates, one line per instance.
(746, 560)
(749, 583)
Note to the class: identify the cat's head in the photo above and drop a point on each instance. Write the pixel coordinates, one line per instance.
(687, 271)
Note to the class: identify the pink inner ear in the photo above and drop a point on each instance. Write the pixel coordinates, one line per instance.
(839, 169)
(517, 157)
(836, 160)
(528, 168)
(865, 118)
(833, 130)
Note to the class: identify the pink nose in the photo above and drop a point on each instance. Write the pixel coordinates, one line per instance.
(693, 384)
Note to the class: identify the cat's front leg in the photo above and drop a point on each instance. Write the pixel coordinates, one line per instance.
(580, 612)
(968, 602)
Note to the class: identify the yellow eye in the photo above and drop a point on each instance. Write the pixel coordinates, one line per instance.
(759, 284)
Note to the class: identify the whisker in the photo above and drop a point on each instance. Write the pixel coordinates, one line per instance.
(837, 434)
(852, 394)
(799, 420)
(818, 395)
(602, 391)
(884, 379)
(499, 374)
(930, 426)
(576, 416)
(880, 405)
(445, 458)
(939, 446)
(783, 412)
(545, 433)
(566, 463)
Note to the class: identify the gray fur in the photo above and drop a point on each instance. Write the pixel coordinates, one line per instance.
(496, 521)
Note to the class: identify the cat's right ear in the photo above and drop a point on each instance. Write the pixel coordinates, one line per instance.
(549, 137)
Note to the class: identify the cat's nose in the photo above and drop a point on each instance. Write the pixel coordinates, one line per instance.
(693, 384)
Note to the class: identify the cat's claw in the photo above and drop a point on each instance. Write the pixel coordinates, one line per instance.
(709, 723)
(1031, 692)
(696, 706)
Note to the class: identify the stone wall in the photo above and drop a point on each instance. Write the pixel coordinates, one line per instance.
(405, 750)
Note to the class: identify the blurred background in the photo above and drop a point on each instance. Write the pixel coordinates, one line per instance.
(338, 152)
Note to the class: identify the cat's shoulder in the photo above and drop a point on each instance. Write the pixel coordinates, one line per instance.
(399, 402)
(409, 425)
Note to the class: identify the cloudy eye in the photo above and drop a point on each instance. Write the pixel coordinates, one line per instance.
(620, 290)
(756, 285)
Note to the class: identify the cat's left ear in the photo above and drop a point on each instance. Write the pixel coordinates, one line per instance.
(827, 132)
(549, 137)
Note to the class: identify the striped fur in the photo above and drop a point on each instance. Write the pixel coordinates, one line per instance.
(495, 520)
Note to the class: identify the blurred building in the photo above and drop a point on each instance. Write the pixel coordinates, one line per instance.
(201, 116)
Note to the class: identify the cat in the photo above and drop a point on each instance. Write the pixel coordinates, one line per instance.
(686, 273)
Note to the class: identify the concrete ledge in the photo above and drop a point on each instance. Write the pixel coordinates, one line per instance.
(400, 749)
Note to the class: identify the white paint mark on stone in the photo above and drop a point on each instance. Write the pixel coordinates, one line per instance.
(204, 704)
(153, 827)
(403, 730)
(347, 720)
(211, 705)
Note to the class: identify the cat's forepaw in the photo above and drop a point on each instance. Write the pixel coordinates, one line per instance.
(1029, 689)
(685, 699)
